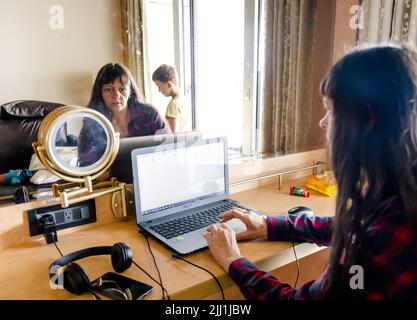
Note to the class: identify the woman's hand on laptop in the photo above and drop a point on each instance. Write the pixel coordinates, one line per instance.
(222, 243)
(256, 226)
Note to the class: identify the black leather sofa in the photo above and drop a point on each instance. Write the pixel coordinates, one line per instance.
(19, 124)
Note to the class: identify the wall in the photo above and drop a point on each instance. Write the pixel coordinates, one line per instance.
(322, 63)
(41, 63)
(334, 37)
(344, 35)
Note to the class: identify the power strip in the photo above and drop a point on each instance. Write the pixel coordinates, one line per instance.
(75, 215)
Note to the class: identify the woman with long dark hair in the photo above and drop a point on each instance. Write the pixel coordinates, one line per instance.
(371, 120)
(115, 95)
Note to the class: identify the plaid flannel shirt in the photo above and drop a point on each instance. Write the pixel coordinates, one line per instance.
(389, 251)
(144, 120)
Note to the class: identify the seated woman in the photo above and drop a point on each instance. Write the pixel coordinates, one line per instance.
(115, 95)
(371, 101)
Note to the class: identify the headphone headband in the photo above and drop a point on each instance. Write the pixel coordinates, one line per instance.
(77, 255)
(75, 279)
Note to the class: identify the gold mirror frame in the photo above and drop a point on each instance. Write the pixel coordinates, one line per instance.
(81, 184)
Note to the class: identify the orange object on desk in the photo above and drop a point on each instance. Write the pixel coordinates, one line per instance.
(323, 183)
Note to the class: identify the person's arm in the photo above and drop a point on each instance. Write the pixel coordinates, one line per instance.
(252, 282)
(282, 227)
(256, 284)
(300, 228)
(173, 123)
(173, 113)
(388, 269)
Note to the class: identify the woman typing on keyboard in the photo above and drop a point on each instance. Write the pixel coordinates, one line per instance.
(371, 121)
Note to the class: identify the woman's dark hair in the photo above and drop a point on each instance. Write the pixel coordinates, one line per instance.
(373, 145)
(108, 74)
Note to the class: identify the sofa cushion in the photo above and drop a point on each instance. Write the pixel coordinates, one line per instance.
(18, 136)
(8, 191)
(19, 125)
(27, 109)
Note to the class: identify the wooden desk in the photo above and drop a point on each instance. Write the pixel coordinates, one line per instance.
(24, 267)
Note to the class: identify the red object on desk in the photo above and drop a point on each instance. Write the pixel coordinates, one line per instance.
(301, 192)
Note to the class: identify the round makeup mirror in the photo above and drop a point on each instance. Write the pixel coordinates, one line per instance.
(75, 142)
(79, 145)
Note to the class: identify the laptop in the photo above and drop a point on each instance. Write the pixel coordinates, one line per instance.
(181, 189)
(122, 165)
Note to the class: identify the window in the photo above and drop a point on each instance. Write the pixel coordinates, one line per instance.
(213, 45)
(160, 44)
(219, 52)
(168, 41)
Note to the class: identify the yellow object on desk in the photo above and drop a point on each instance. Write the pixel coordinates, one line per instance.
(323, 183)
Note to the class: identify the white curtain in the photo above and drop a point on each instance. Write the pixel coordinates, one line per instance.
(389, 20)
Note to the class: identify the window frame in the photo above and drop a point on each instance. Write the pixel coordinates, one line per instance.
(251, 90)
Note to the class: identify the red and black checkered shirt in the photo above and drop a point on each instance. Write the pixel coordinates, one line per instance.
(389, 249)
(144, 120)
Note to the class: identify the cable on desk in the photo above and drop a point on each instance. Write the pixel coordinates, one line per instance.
(298, 265)
(56, 246)
(193, 264)
(94, 294)
(156, 266)
(153, 279)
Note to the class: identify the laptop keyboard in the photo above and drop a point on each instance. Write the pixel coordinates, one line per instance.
(186, 224)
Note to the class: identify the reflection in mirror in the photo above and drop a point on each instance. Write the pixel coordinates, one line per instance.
(78, 145)
(93, 142)
(66, 143)
(108, 32)
(82, 142)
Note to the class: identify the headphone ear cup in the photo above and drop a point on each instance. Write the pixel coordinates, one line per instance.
(76, 279)
(121, 256)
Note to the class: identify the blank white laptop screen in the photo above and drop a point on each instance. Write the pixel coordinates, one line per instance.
(170, 178)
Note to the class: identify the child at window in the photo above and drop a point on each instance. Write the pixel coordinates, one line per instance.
(165, 78)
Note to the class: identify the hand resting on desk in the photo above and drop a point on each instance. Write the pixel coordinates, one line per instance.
(222, 240)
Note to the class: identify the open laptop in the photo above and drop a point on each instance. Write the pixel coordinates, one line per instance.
(181, 189)
(122, 165)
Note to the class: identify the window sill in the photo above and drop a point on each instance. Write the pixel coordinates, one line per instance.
(247, 168)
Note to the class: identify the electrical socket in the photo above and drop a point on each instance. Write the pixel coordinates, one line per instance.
(68, 216)
(75, 215)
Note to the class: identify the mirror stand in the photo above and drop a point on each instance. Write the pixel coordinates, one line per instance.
(96, 146)
(73, 192)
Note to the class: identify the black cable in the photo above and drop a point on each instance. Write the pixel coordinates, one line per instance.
(156, 266)
(153, 279)
(144, 271)
(48, 228)
(193, 264)
(56, 246)
(298, 265)
(94, 294)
